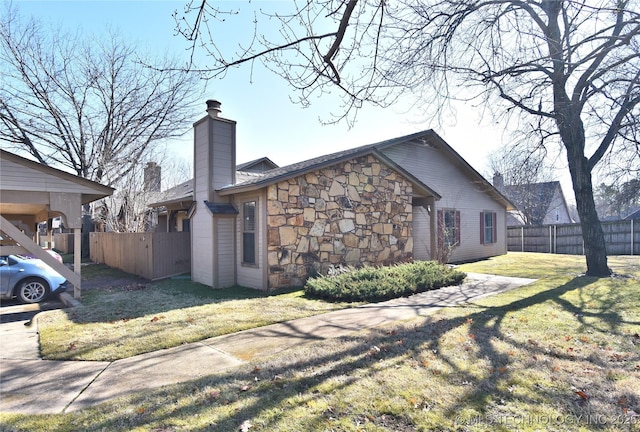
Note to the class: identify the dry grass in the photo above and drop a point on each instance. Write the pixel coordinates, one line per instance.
(560, 354)
(131, 317)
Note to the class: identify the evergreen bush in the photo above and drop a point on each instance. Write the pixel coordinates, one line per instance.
(382, 283)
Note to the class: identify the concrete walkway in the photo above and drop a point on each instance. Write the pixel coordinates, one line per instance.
(34, 386)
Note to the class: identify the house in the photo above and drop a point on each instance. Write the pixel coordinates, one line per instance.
(633, 215)
(537, 203)
(32, 193)
(177, 200)
(393, 201)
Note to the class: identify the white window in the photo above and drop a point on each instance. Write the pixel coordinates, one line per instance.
(249, 232)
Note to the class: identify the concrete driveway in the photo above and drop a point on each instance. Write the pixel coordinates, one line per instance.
(18, 332)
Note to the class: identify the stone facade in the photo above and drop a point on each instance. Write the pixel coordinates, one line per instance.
(357, 212)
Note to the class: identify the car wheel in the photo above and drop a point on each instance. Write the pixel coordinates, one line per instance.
(32, 290)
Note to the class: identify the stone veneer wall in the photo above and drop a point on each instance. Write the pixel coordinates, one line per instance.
(357, 212)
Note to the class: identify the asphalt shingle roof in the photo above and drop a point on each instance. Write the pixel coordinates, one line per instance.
(317, 162)
(533, 197)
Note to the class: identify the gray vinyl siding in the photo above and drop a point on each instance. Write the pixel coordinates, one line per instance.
(14, 176)
(459, 192)
(421, 239)
(202, 241)
(200, 159)
(252, 276)
(212, 236)
(202, 237)
(225, 253)
(557, 212)
(223, 155)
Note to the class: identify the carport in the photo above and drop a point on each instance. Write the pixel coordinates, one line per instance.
(31, 193)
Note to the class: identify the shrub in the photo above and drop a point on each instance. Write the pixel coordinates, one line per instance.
(382, 283)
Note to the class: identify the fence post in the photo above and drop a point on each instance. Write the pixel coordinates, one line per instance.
(522, 239)
(632, 237)
(550, 240)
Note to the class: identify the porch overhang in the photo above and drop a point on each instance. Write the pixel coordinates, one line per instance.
(34, 193)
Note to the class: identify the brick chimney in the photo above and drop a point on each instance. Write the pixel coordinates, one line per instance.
(498, 181)
(152, 177)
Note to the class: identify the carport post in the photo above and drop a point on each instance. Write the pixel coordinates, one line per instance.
(77, 257)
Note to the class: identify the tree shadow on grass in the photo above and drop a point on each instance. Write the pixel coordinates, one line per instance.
(267, 392)
(490, 324)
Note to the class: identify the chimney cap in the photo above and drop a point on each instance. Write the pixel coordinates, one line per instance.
(213, 107)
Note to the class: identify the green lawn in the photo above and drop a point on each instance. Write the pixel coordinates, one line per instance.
(560, 354)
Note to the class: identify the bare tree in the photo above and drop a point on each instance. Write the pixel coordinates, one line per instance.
(618, 200)
(85, 104)
(567, 71)
(520, 173)
(127, 210)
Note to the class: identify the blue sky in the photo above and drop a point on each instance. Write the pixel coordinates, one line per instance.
(268, 123)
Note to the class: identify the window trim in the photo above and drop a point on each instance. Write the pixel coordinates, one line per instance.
(443, 228)
(253, 232)
(493, 239)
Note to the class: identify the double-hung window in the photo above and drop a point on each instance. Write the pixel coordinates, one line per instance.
(488, 227)
(249, 232)
(449, 223)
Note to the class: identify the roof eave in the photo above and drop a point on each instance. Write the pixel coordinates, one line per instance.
(490, 189)
(99, 190)
(184, 199)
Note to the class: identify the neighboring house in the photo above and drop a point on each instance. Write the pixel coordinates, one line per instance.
(174, 208)
(537, 203)
(634, 214)
(373, 205)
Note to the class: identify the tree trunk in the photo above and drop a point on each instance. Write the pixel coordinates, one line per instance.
(594, 244)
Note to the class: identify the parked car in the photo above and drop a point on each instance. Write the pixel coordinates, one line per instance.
(51, 252)
(7, 241)
(28, 279)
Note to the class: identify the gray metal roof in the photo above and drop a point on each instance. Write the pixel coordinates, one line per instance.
(221, 208)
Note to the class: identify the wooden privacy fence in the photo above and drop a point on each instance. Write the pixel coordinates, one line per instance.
(621, 237)
(63, 242)
(150, 255)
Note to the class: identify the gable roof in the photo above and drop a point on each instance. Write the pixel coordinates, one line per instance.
(257, 165)
(310, 165)
(535, 197)
(633, 215)
(176, 194)
(249, 181)
(303, 167)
